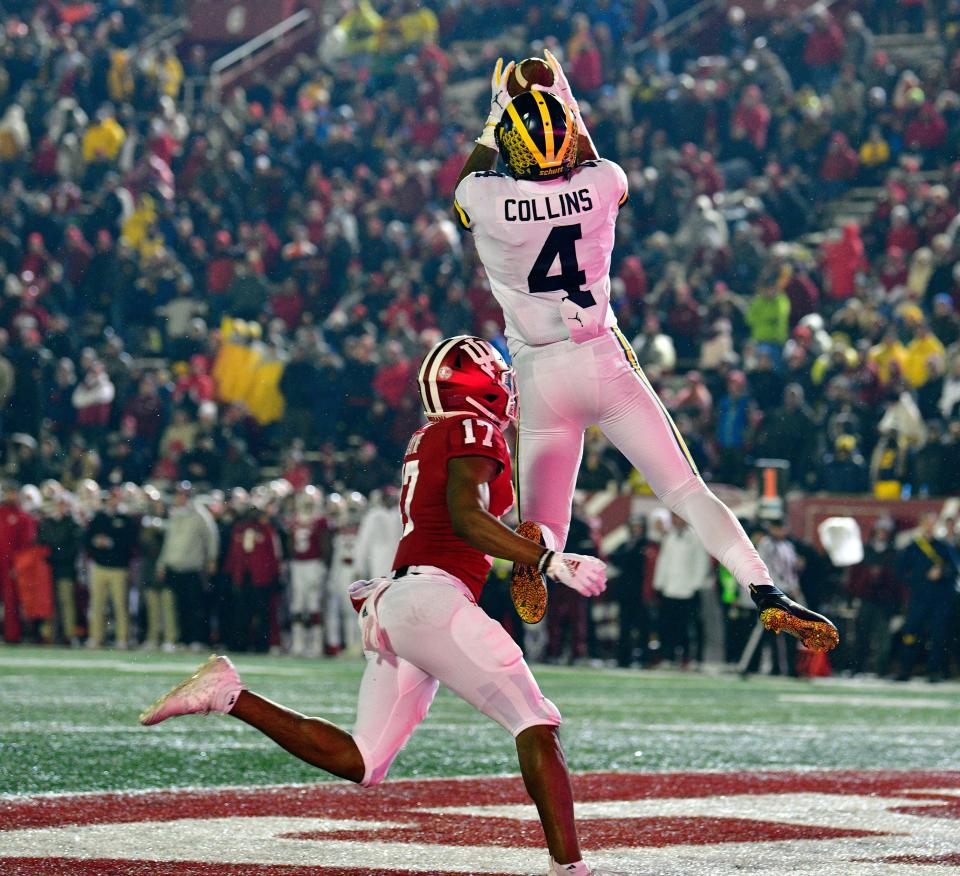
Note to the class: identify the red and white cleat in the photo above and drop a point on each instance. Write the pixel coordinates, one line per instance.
(214, 687)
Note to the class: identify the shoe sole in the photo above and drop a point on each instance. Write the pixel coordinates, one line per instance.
(815, 635)
(146, 716)
(528, 590)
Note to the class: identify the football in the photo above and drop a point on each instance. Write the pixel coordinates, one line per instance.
(530, 71)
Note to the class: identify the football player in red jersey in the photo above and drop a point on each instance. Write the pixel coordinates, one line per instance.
(310, 549)
(422, 625)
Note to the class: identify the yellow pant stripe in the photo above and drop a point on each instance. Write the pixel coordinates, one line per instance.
(631, 357)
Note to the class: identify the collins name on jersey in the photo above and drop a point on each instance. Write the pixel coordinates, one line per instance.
(546, 248)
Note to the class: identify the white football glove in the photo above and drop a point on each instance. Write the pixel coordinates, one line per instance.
(586, 575)
(561, 86)
(499, 98)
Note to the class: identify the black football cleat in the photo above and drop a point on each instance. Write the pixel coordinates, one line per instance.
(779, 613)
(528, 590)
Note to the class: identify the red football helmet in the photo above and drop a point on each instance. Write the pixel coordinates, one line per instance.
(467, 375)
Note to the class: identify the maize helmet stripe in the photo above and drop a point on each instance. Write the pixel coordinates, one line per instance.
(549, 152)
(569, 126)
(521, 129)
(538, 136)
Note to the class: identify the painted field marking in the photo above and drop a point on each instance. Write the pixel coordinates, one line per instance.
(878, 702)
(669, 824)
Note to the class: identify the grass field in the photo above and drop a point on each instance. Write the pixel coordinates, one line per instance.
(69, 723)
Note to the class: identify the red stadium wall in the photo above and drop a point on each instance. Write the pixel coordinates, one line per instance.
(805, 514)
(611, 511)
(236, 21)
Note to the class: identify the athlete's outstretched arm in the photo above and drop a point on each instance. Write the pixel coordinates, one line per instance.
(467, 476)
(561, 88)
(482, 158)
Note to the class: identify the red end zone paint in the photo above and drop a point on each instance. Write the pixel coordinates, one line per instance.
(619, 811)
(402, 799)
(104, 867)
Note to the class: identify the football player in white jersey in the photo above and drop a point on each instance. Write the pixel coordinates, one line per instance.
(545, 233)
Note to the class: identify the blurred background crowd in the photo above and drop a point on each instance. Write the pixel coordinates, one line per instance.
(269, 570)
(234, 286)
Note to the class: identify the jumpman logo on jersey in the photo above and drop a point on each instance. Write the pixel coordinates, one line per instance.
(576, 316)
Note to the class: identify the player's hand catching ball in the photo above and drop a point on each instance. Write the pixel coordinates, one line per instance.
(561, 87)
(499, 96)
(586, 575)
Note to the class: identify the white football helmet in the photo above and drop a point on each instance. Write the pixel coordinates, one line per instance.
(356, 507)
(89, 496)
(308, 503)
(31, 499)
(239, 500)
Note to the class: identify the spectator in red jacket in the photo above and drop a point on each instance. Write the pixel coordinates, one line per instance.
(893, 268)
(253, 566)
(75, 255)
(197, 386)
(840, 165)
(902, 234)
(585, 62)
(17, 532)
(220, 271)
(804, 295)
(92, 400)
(842, 260)
(823, 49)
(393, 379)
(753, 116)
(146, 409)
(927, 131)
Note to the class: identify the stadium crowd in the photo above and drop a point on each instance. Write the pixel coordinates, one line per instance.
(270, 570)
(196, 289)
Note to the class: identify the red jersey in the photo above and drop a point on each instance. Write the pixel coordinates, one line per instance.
(428, 536)
(254, 552)
(309, 539)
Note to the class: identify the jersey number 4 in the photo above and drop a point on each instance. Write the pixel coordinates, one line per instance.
(562, 243)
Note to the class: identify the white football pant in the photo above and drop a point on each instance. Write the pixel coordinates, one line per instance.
(306, 586)
(339, 617)
(424, 629)
(565, 388)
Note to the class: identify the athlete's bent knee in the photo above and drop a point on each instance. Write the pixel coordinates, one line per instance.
(676, 498)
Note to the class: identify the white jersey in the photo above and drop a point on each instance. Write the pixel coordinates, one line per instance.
(343, 562)
(377, 541)
(546, 248)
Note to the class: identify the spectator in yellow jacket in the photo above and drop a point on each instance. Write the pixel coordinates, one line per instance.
(360, 26)
(121, 85)
(875, 151)
(167, 71)
(925, 344)
(102, 140)
(889, 350)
